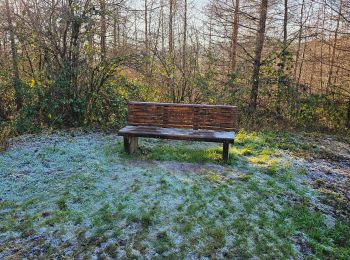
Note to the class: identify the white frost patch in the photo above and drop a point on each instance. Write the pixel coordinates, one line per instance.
(74, 194)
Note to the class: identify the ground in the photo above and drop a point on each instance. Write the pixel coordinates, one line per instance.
(76, 194)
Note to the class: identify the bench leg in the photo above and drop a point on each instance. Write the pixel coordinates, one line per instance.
(130, 144)
(225, 150)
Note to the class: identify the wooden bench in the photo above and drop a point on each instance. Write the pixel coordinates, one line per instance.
(191, 122)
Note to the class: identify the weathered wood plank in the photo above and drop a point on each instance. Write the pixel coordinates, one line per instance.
(177, 134)
(130, 144)
(195, 116)
(179, 105)
(225, 151)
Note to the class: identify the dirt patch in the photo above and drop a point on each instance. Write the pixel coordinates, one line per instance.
(332, 181)
(301, 242)
(328, 172)
(142, 163)
(180, 167)
(183, 167)
(340, 150)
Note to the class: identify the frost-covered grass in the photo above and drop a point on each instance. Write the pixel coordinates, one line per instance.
(79, 195)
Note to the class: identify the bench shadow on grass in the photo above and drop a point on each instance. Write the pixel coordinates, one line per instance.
(254, 150)
(179, 151)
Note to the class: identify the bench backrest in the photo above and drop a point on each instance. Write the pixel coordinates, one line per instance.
(170, 115)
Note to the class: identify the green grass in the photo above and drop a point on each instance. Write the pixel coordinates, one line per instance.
(256, 148)
(260, 152)
(62, 205)
(162, 243)
(107, 203)
(182, 152)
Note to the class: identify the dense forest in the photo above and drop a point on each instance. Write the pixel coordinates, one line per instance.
(66, 63)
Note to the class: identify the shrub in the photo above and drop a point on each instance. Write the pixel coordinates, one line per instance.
(6, 131)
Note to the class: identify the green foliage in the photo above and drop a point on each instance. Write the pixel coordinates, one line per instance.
(319, 109)
(109, 108)
(7, 97)
(6, 131)
(61, 103)
(29, 118)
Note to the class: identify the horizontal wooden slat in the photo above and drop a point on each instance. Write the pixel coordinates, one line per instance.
(196, 116)
(178, 134)
(180, 105)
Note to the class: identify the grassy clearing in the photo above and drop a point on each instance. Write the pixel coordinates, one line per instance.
(81, 196)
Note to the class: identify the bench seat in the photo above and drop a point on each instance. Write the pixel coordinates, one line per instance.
(177, 134)
(192, 122)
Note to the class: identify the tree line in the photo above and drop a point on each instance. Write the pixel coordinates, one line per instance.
(77, 62)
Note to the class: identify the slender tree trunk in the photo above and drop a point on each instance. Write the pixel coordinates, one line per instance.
(146, 28)
(281, 74)
(135, 30)
(147, 46)
(75, 51)
(235, 37)
(321, 49)
(119, 33)
(210, 44)
(314, 53)
(258, 52)
(162, 23)
(171, 51)
(184, 53)
(171, 34)
(90, 39)
(331, 65)
(114, 34)
(15, 70)
(103, 29)
(301, 28)
(301, 63)
(117, 21)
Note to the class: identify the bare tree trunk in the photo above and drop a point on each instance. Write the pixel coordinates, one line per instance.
(301, 64)
(301, 28)
(147, 45)
(135, 30)
(314, 53)
(90, 39)
(235, 37)
(162, 23)
(115, 34)
(103, 29)
(117, 20)
(171, 51)
(281, 74)
(171, 34)
(258, 52)
(184, 53)
(146, 28)
(331, 65)
(74, 45)
(15, 70)
(210, 43)
(321, 49)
